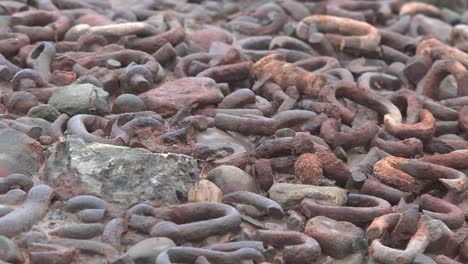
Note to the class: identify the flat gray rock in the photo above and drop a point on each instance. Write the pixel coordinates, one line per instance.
(289, 195)
(45, 111)
(119, 175)
(80, 99)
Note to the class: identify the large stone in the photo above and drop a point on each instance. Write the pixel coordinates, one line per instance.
(189, 92)
(337, 239)
(80, 99)
(289, 195)
(45, 111)
(120, 175)
(232, 179)
(146, 251)
(19, 153)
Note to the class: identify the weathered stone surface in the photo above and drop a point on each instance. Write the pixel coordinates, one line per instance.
(288, 195)
(232, 179)
(337, 239)
(80, 99)
(45, 111)
(120, 175)
(147, 250)
(19, 153)
(189, 92)
(308, 169)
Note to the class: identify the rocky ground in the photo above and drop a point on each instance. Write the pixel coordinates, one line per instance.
(295, 132)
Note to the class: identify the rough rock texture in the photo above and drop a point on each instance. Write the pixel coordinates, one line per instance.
(288, 195)
(190, 92)
(337, 238)
(20, 153)
(44, 111)
(120, 175)
(80, 99)
(308, 169)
